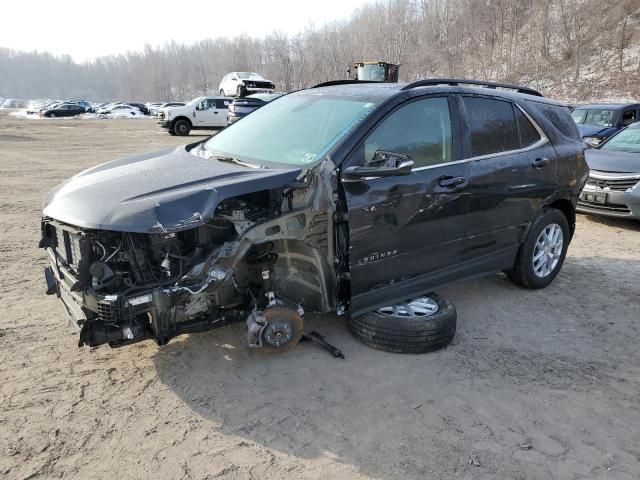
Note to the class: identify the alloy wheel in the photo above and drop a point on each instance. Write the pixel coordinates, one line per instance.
(547, 251)
(418, 307)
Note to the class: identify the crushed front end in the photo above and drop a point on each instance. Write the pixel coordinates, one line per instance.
(120, 287)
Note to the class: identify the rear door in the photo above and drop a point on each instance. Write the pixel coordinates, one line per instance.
(407, 232)
(513, 171)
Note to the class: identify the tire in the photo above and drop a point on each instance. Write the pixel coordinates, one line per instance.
(240, 91)
(222, 93)
(171, 132)
(52, 115)
(407, 334)
(181, 128)
(531, 273)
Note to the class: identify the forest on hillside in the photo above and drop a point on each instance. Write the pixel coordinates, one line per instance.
(576, 50)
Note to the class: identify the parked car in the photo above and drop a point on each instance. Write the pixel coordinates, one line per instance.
(613, 186)
(243, 106)
(350, 198)
(201, 113)
(107, 107)
(87, 106)
(64, 109)
(153, 107)
(597, 122)
(122, 110)
(240, 84)
(156, 111)
(140, 106)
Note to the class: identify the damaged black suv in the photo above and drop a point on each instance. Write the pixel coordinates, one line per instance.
(349, 197)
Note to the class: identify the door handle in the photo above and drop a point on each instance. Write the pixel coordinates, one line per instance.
(451, 182)
(541, 162)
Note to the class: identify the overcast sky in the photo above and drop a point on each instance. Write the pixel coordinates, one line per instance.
(88, 28)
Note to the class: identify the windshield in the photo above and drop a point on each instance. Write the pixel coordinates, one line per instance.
(195, 101)
(626, 141)
(599, 117)
(294, 129)
(249, 76)
(372, 72)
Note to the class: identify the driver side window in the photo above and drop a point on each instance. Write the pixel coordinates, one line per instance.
(421, 129)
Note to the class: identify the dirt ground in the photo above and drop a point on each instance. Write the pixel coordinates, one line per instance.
(536, 385)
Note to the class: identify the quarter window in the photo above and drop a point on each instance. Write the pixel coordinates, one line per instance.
(528, 133)
(421, 129)
(492, 126)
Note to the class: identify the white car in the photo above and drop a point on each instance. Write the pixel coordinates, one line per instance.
(240, 84)
(120, 111)
(201, 113)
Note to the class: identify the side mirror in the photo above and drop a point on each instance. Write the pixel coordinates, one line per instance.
(384, 164)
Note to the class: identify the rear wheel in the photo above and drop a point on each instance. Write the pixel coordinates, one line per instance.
(171, 132)
(181, 128)
(420, 325)
(543, 252)
(240, 92)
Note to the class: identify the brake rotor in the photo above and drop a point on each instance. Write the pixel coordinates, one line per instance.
(283, 331)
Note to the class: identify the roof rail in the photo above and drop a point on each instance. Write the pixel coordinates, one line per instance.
(342, 82)
(480, 83)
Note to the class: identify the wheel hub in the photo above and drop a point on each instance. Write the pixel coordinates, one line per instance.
(278, 333)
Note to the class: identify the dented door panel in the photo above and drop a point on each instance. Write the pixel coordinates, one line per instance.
(403, 227)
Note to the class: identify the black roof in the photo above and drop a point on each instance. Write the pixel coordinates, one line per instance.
(381, 91)
(606, 106)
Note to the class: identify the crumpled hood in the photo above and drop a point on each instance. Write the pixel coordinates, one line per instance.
(611, 161)
(592, 130)
(166, 190)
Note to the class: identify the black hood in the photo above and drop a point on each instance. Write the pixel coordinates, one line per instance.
(612, 161)
(155, 192)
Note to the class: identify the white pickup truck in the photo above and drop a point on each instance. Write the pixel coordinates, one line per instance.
(202, 113)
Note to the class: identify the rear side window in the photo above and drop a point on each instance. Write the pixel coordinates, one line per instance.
(528, 133)
(492, 126)
(221, 103)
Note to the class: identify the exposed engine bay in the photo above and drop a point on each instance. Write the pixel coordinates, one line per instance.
(262, 259)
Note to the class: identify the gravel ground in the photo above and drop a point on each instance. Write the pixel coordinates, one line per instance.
(537, 384)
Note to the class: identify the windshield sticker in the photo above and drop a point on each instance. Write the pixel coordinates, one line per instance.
(308, 157)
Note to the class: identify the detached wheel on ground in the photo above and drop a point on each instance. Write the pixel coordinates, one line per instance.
(543, 252)
(181, 128)
(418, 326)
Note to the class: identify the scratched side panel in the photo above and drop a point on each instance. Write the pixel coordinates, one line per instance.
(402, 227)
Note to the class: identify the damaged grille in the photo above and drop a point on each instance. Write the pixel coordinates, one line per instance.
(72, 248)
(114, 311)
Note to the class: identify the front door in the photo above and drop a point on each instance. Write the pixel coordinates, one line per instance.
(407, 232)
(205, 113)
